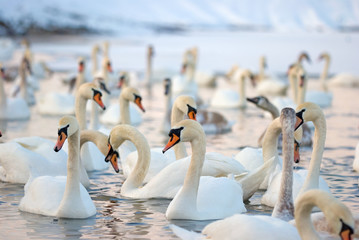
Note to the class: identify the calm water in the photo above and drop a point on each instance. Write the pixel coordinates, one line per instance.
(119, 217)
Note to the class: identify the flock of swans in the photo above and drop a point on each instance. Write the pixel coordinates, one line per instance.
(202, 185)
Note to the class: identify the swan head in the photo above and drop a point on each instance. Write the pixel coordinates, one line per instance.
(90, 91)
(302, 56)
(308, 111)
(248, 74)
(132, 95)
(2, 71)
(68, 125)
(101, 83)
(261, 102)
(324, 55)
(167, 86)
(81, 64)
(123, 80)
(187, 105)
(112, 156)
(185, 131)
(231, 71)
(106, 64)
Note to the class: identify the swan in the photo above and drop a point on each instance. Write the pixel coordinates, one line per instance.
(321, 98)
(90, 155)
(191, 201)
(212, 122)
(165, 184)
(185, 84)
(252, 158)
(55, 103)
(305, 179)
(148, 76)
(270, 85)
(68, 198)
(120, 113)
(228, 98)
(338, 217)
(263, 103)
(11, 108)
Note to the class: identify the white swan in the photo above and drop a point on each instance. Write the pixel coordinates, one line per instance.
(56, 103)
(90, 155)
(68, 198)
(263, 103)
(270, 85)
(165, 184)
(229, 98)
(120, 113)
(11, 108)
(338, 217)
(202, 78)
(191, 202)
(304, 180)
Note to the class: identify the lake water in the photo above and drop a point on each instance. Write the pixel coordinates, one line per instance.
(122, 218)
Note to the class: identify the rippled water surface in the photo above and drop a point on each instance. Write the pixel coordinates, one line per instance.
(119, 217)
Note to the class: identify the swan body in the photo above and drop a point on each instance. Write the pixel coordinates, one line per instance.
(344, 80)
(228, 98)
(339, 219)
(191, 201)
(69, 199)
(122, 113)
(305, 179)
(11, 108)
(164, 184)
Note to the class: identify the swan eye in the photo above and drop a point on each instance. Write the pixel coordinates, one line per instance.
(63, 130)
(95, 92)
(137, 97)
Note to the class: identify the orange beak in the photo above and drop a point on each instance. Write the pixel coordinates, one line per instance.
(192, 115)
(60, 141)
(139, 104)
(173, 141)
(81, 67)
(112, 157)
(346, 235)
(98, 100)
(296, 152)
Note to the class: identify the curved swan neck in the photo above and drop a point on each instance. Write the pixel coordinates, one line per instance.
(273, 110)
(98, 138)
(125, 111)
(324, 75)
(80, 79)
(80, 110)
(73, 166)
(312, 179)
(179, 148)
(284, 208)
(302, 90)
(191, 181)
(261, 68)
(136, 177)
(270, 140)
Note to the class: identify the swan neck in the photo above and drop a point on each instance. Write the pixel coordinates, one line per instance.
(179, 148)
(138, 174)
(98, 138)
(80, 110)
(270, 140)
(80, 79)
(302, 91)
(148, 68)
(294, 87)
(94, 61)
(125, 111)
(94, 119)
(73, 167)
(312, 179)
(2, 93)
(284, 207)
(242, 93)
(324, 75)
(191, 181)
